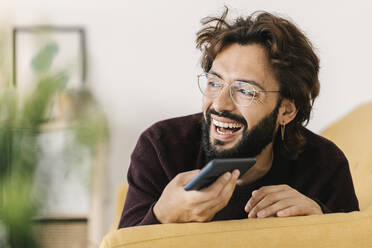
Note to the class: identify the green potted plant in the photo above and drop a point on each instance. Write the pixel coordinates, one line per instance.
(22, 121)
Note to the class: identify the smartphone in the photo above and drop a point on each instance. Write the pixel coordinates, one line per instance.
(216, 168)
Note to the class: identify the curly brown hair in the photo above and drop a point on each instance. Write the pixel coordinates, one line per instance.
(291, 56)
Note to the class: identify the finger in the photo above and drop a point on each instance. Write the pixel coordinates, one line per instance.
(291, 211)
(221, 200)
(215, 188)
(258, 195)
(228, 190)
(211, 192)
(185, 177)
(207, 214)
(212, 207)
(206, 210)
(269, 200)
(273, 209)
(301, 207)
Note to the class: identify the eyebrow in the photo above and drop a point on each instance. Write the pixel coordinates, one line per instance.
(240, 80)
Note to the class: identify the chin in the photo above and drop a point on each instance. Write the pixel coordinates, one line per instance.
(221, 146)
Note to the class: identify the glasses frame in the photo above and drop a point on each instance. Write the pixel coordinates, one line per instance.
(230, 89)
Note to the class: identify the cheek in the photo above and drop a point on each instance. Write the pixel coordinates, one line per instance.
(206, 103)
(251, 116)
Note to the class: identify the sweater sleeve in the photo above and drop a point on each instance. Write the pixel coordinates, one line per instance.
(339, 194)
(146, 180)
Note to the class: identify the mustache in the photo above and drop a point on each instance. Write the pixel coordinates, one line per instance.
(226, 114)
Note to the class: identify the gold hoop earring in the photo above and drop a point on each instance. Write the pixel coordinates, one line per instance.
(282, 129)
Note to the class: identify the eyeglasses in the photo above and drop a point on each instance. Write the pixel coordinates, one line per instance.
(242, 93)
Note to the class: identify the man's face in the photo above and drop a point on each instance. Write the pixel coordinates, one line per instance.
(252, 127)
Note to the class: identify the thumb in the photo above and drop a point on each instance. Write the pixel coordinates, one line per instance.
(186, 177)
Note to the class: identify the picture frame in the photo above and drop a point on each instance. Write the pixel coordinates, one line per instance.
(68, 42)
(46, 49)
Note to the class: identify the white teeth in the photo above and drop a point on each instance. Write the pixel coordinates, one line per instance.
(226, 125)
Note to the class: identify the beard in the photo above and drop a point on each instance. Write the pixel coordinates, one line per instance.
(252, 142)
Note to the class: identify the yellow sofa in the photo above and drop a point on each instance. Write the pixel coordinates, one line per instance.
(353, 134)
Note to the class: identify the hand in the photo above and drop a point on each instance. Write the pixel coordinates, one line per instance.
(177, 205)
(280, 200)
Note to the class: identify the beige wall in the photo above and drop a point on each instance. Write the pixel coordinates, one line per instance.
(143, 62)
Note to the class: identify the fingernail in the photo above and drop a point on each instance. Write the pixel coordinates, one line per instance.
(280, 213)
(261, 213)
(254, 192)
(236, 173)
(227, 175)
(247, 208)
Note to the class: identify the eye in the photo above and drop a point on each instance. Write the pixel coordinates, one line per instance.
(247, 93)
(214, 84)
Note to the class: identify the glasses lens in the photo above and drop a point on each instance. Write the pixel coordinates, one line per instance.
(243, 93)
(209, 84)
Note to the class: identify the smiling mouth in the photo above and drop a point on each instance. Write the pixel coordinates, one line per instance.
(224, 128)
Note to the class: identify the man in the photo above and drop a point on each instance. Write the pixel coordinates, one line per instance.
(259, 85)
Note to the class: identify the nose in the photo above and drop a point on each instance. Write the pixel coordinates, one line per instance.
(223, 101)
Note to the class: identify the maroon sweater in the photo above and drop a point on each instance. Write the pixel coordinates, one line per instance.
(172, 146)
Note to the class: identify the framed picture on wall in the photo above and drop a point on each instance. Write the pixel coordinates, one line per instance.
(49, 50)
(46, 51)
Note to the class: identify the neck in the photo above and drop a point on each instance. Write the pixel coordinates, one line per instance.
(263, 164)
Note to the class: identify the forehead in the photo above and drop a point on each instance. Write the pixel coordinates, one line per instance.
(248, 62)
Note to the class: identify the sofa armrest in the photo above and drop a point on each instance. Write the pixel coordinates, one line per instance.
(331, 230)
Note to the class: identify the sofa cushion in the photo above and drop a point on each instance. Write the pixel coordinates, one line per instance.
(331, 230)
(353, 134)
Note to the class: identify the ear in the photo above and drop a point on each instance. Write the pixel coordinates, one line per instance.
(287, 112)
